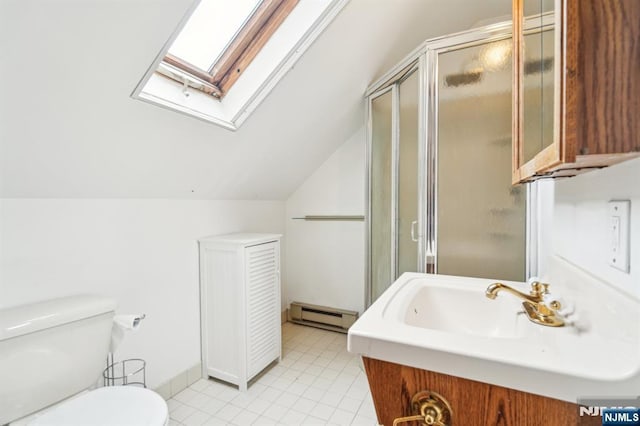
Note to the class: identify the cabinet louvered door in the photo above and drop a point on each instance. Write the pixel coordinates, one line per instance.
(262, 276)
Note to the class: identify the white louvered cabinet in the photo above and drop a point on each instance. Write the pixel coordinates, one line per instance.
(239, 305)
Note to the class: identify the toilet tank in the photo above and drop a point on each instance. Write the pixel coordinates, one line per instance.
(51, 350)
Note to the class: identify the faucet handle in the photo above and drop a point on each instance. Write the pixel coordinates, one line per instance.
(539, 289)
(555, 305)
(536, 288)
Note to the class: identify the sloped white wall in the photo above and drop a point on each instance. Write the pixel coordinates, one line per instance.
(144, 253)
(579, 230)
(85, 138)
(325, 260)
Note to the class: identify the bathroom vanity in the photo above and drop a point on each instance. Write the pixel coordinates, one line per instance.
(472, 403)
(487, 359)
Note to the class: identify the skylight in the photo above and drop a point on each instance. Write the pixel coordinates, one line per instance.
(228, 54)
(220, 40)
(213, 21)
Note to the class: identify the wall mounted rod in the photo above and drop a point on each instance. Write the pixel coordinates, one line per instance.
(331, 218)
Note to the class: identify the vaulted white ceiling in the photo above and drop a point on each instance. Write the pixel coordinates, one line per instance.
(68, 128)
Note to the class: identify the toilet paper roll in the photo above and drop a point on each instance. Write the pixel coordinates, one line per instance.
(128, 322)
(121, 325)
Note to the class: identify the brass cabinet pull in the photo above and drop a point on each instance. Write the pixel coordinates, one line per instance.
(399, 420)
(431, 409)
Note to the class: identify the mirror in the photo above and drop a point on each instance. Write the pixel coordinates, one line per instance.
(538, 78)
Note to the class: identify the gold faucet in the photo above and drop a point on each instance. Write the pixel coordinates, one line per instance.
(534, 305)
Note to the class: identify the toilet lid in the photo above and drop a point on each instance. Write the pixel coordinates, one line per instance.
(108, 406)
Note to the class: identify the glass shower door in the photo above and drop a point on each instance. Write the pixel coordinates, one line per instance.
(394, 194)
(480, 217)
(408, 225)
(381, 181)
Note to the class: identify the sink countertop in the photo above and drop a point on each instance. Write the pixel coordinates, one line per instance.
(603, 359)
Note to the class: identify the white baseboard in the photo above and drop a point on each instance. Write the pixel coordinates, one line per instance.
(180, 382)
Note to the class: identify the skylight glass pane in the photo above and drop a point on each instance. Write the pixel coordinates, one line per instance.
(210, 29)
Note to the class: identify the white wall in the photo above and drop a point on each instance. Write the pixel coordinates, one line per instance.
(579, 229)
(325, 260)
(543, 191)
(142, 252)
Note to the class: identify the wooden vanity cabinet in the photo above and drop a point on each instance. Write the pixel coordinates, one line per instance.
(585, 114)
(473, 403)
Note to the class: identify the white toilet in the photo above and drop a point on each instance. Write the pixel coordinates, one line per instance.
(51, 353)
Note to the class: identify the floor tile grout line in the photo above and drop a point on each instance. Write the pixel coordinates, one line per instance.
(325, 363)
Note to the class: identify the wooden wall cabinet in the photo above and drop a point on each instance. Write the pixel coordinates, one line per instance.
(240, 305)
(473, 403)
(576, 86)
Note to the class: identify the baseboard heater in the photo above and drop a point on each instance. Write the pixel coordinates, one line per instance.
(322, 317)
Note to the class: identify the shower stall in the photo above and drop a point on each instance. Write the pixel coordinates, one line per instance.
(439, 193)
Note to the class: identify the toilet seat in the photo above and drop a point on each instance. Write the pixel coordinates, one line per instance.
(108, 406)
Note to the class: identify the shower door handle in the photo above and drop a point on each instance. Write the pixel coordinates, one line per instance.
(413, 231)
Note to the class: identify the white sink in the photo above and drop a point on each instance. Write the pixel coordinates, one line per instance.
(447, 325)
(453, 307)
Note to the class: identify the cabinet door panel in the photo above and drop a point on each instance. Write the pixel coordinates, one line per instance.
(537, 93)
(584, 115)
(262, 280)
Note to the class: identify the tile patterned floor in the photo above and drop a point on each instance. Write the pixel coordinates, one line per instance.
(317, 383)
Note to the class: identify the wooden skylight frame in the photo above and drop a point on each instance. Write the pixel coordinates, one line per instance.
(242, 49)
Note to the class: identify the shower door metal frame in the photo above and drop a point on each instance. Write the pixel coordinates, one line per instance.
(384, 83)
(424, 57)
(393, 85)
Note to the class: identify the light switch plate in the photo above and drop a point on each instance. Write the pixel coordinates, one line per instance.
(618, 230)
